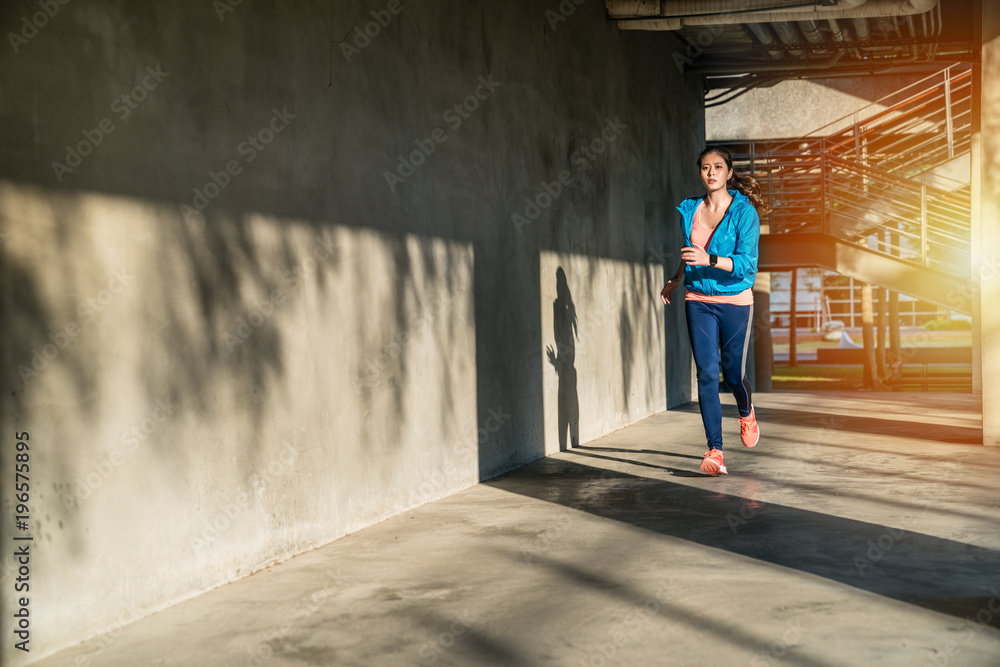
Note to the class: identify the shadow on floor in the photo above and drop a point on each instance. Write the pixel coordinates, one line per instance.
(959, 435)
(934, 573)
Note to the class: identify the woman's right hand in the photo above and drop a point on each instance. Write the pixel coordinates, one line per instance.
(668, 289)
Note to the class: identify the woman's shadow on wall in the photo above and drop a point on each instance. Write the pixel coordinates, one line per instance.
(563, 358)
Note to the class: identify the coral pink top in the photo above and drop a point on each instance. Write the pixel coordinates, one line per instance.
(700, 236)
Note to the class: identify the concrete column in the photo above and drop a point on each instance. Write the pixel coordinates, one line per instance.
(871, 379)
(975, 224)
(986, 223)
(895, 354)
(793, 360)
(868, 335)
(853, 296)
(880, 326)
(763, 349)
(894, 342)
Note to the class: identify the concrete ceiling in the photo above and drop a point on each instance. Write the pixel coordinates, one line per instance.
(742, 43)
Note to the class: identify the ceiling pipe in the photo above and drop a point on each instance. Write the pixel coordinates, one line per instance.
(680, 8)
(861, 30)
(788, 35)
(841, 37)
(786, 32)
(885, 25)
(727, 80)
(763, 35)
(810, 30)
(708, 69)
(633, 15)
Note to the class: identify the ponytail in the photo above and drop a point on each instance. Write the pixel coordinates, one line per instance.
(749, 186)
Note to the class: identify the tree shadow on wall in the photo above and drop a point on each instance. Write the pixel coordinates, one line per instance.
(563, 359)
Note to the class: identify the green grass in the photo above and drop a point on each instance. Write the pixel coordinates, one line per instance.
(850, 378)
(922, 339)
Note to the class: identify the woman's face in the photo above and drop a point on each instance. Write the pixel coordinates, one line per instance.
(714, 172)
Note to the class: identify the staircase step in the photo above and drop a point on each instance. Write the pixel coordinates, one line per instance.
(783, 252)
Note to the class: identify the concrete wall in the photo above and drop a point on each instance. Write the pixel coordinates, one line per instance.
(813, 104)
(986, 227)
(239, 325)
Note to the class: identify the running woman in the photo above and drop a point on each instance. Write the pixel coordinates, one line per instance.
(718, 267)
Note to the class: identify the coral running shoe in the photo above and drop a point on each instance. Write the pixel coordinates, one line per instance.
(749, 431)
(712, 463)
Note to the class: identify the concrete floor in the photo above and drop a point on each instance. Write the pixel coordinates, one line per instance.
(865, 533)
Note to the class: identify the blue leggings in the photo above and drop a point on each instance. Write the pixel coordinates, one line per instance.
(708, 323)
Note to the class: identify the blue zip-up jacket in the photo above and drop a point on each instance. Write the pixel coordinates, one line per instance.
(736, 236)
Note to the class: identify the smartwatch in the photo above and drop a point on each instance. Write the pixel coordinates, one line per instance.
(713, 260)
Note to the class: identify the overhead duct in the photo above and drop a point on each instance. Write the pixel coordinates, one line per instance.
(680, 8)
(786, 32)
(677, 14)
(763, 35)
(840, 37)
(810, 29)
(788, 35)
(835, 32)
(861, 29)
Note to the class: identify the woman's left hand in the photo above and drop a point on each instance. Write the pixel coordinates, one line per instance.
(694, 256)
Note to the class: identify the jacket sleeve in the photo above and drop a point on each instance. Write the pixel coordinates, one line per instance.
(747, 239)
(685, 241)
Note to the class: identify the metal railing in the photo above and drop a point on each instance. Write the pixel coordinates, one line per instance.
(907, 132)
(928, 128)
(859, 180)
(897, 216)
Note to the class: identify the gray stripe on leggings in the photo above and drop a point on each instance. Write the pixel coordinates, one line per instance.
(746, 343)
